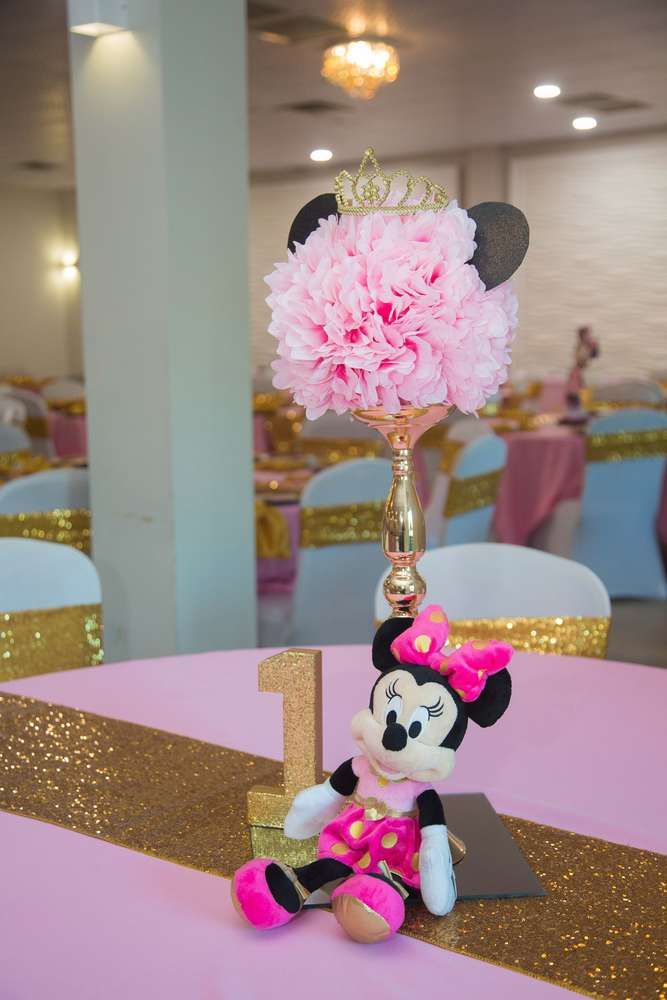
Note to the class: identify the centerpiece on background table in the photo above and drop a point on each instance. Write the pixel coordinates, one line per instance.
(393, 305)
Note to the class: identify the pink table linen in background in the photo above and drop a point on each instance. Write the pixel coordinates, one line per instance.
(68, 434)
(544, 467)
(260, 437)
(95, 920)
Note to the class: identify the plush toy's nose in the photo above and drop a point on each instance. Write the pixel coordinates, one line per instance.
(394, 737)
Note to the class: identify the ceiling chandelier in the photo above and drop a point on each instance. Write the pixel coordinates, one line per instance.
(361, 66)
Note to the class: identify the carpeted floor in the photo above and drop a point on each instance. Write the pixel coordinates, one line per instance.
(639, 632)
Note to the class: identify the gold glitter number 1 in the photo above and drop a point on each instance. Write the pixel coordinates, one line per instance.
(297, 675)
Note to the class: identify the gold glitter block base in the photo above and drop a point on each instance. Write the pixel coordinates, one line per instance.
(268, 842)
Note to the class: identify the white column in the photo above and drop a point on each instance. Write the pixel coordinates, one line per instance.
(161, 163)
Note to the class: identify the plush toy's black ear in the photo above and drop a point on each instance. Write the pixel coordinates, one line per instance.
(383, 658)
(493, 700)
(308, 218)
(502, 240)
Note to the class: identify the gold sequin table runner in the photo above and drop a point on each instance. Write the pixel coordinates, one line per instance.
(599, 931)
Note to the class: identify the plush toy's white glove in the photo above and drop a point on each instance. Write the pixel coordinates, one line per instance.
(436, 872)
(311, 810)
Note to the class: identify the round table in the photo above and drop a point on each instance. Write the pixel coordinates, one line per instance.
(579, 748)
(544, 467)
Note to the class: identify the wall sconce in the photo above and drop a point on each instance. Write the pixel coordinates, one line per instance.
(97, 17)
(69, 265)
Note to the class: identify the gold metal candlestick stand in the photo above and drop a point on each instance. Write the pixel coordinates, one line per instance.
(403, 527)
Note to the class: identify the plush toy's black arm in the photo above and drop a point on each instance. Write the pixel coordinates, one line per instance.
(430, 808)
(344, 780)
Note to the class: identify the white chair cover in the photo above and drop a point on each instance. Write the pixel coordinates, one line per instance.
(485, 454)
(465, 430)
(13, 438)
(38, 411)
(616, 535)
(491, 580)
(64, 388)
(36, 575)
(333, 598)
(630, 391)
(55, 488)
(12, 411)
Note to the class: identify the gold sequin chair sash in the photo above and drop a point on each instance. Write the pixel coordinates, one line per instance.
(271, 532)
(624, 445)
(341, 524)
(331, 450)
(49, 639)
(9, 460)
(566, 636)
(472, 493)
(69, 527)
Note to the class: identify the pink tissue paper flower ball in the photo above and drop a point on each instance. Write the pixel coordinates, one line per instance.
(384, 310)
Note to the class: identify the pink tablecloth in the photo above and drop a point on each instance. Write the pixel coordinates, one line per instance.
(68, 435)
(543, 467)
(91, 919)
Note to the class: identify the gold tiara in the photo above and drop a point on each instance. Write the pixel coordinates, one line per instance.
(369, 190)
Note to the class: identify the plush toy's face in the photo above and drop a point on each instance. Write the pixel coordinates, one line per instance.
(402, 731)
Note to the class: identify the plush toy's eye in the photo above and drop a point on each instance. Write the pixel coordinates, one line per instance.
(418, 720)
(393, 709)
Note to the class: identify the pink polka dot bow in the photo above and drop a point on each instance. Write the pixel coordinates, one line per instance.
(466, 668)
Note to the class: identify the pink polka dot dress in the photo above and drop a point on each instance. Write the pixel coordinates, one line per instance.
(380, 825)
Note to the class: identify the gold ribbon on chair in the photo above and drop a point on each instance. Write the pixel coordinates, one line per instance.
(271, 532)
(69, 527)
(36, 427)
(598, 931)
(9, 460)
(566, 635)
(268, 402)
(331, 450)
(70, 407)
(472, 493)
(342, 524)
(622, 445)
(41, 641)
(450, 451)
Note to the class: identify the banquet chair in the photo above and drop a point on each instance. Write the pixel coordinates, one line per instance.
(629, 391)
(64, 388)
(616, 534)
(13, 439)
(50, 609)
(461, 433)
(36, 423)
(66, 488)
(12, 410)
(534, 600)
(340, 556)
(52, 505)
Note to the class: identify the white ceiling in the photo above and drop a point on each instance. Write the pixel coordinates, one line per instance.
(468, 69)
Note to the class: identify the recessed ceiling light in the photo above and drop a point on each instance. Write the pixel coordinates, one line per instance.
(585, 122)
(546, 91)
(321, 155)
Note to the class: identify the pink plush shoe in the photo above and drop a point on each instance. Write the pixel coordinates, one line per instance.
(266, 893)
(368, 909)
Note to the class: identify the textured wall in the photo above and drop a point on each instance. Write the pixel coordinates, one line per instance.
(273, 205)
(598, 218)
(35, 299)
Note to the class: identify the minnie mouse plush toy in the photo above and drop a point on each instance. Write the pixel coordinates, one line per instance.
(383, 835)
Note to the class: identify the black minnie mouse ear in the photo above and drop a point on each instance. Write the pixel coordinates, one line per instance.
(502, 241)
(493, 700)
(308, 218)
(383, 658)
